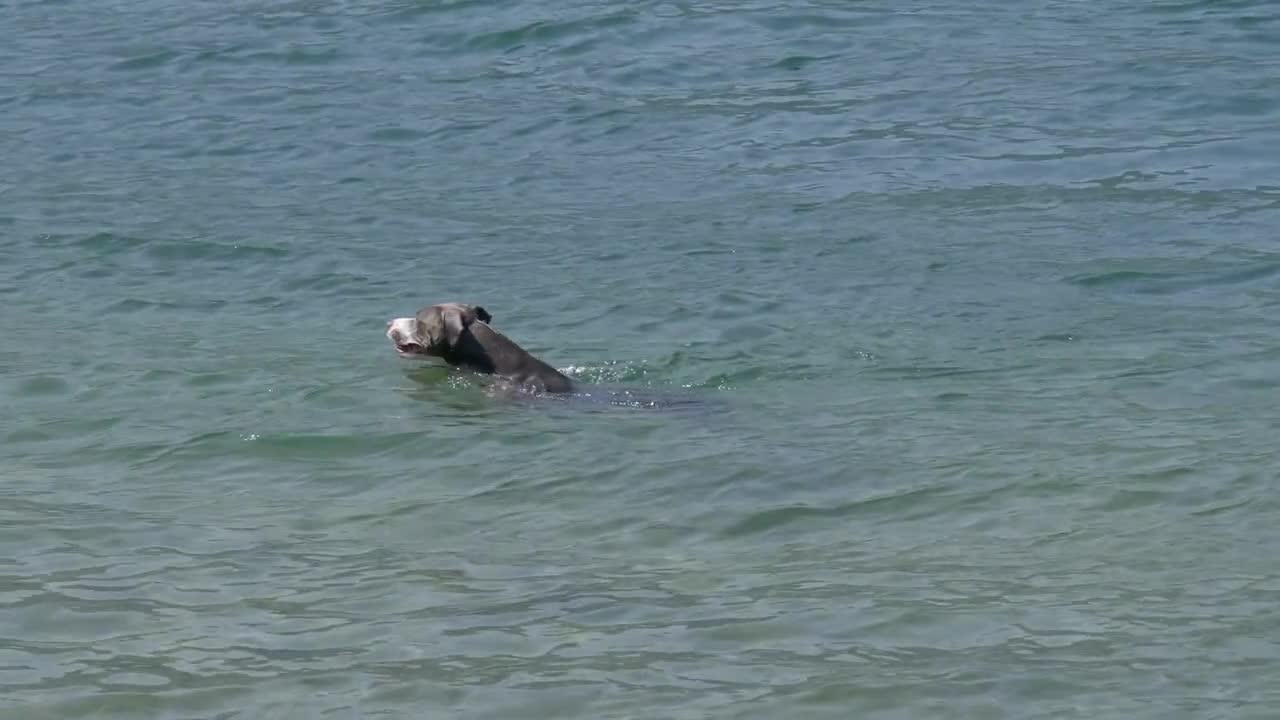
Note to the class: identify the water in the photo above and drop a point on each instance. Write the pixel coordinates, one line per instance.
(970, 310)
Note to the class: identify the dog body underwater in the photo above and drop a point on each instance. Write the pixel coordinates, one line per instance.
(460, 335)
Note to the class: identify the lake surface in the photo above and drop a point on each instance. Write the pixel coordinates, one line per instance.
(970, 312)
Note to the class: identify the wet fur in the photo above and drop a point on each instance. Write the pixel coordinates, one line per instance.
(460, 335)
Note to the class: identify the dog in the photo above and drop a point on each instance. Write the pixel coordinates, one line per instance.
(460, 335)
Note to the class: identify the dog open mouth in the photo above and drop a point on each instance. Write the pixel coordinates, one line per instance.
(404, 339)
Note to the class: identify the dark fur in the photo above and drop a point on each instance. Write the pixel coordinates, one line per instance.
(460, 335)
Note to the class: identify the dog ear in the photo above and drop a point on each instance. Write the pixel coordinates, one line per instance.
(456, 319)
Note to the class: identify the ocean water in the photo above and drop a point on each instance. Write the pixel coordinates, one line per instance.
(960, 320)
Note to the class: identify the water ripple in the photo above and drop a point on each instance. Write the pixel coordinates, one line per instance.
(930, 353)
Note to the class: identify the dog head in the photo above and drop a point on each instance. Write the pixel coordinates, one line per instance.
(436, 329)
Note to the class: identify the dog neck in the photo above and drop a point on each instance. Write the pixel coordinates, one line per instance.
(487, 350)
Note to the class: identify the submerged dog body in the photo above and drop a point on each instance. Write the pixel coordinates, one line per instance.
(460, 335)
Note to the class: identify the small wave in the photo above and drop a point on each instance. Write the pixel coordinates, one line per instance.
(43, 385)
(298, 56)
(1118, 277)
(135, 305)
(777, 517)
(104, 242)
(609, 372)
(1168, 283)
(145, 61)
(547, 32)
(797, 62)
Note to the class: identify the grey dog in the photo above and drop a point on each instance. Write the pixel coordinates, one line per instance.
(460, 335)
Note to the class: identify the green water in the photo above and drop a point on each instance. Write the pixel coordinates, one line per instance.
(971, 308)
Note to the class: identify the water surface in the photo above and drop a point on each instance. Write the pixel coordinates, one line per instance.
(980, 302)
